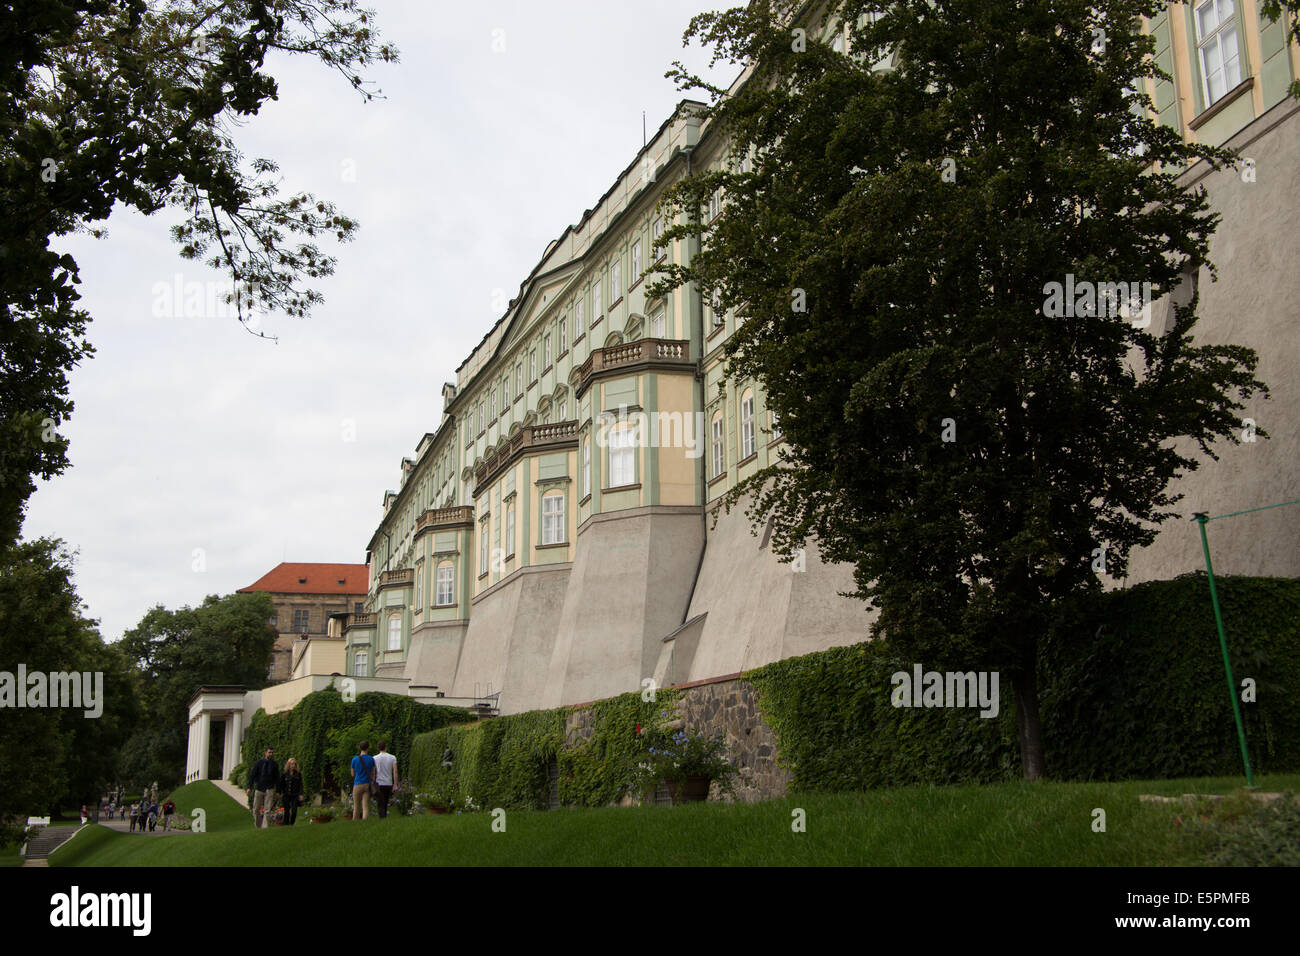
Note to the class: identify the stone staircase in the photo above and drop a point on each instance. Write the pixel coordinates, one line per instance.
(46, 842)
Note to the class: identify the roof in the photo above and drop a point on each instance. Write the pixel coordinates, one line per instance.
(286, 578)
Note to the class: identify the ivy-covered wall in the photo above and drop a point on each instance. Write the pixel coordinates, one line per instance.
(1138, 689)
(1134, 688)
(504, 762)
(303, 733)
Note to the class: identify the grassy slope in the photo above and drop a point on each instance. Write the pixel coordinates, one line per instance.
(1012, 824)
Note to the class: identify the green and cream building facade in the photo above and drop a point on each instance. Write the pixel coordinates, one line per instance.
(552, 541)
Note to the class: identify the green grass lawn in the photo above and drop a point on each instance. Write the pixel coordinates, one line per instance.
(1017, 824)
(221, 813)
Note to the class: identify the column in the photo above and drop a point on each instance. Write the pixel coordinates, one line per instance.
(205, 738)
(189, 754)
(230, 750)
(236, 726)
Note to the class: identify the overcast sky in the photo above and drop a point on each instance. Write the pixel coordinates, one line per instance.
(203, 456)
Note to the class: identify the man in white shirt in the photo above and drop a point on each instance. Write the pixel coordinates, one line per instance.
(385, 776)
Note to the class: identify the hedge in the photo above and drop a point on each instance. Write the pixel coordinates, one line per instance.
(1132, 688)
(1139, 691)
(303, 733)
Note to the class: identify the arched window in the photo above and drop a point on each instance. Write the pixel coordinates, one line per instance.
(659, 324)
(446, 584)
(747, 425)
(553, 519)
(395, 633)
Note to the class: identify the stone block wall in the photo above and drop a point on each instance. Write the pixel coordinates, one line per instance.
(726, 705)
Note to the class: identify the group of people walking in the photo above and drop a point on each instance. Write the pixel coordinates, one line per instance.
(143, 814)
(371, 777)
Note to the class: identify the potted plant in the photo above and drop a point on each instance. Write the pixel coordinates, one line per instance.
(687, 764)
(320, 814)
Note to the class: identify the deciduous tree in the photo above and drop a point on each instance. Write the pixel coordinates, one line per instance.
(890, 254)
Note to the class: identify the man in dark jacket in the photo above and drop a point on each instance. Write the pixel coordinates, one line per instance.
(262, 781)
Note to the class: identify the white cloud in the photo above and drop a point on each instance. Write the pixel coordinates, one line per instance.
(190, 433)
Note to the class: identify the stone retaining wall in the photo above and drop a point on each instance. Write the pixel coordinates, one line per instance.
(728, 706)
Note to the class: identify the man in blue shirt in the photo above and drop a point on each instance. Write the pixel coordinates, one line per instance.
(363, 776)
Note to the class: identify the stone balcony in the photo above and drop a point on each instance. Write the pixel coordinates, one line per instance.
(643, 353)
(400, 577)
(530, 438)
(438, 517)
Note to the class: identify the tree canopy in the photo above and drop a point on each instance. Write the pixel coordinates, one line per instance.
(225, 640)
(133, 102)
(976, 454)
(55, 757)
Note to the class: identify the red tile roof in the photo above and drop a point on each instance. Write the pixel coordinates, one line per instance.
(288, 578)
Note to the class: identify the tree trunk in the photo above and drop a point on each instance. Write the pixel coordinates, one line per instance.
(1029, 729)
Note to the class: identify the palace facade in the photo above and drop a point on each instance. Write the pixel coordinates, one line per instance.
(552, 538)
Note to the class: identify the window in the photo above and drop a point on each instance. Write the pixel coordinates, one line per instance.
(532, 366)
(492, 405)
(564, 334)
(586, 466)
(563, 415)
(553, 519)
(510, 529)
(636, 261)
(546, 352)
(505, 393)
(395, 633)
(776, 427)
(597, 303)
(659, 324)
(616, 281)
(300, 622)
(419, 586)
(715, 204)
(657, 230)
(480, 415)
(622, 456)
(747, 425)
(715, 309)
(446, 585)
(519, 378)
(580, 315)
(359, 607)
(1216, 44)
(483, 548)
(719, 461)
(360, 664)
